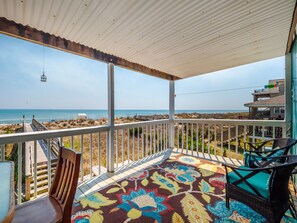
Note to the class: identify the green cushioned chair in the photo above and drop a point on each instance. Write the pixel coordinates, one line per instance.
(280, 147)
(265, 188)
(259, 181)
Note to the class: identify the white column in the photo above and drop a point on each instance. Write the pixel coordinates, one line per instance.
(110, 139)
(288, 94)
(171, 113)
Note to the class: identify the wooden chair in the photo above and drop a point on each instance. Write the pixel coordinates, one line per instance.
(57, 206)
(264, 189)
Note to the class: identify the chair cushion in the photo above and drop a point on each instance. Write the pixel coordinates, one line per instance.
(40, 210)
(260, 181)
(278, 153)
(249, 161)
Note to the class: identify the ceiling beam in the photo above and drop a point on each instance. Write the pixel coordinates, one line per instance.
(33, 35)
(292, 30)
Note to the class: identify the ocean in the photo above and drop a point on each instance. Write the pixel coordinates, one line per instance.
(14, 116)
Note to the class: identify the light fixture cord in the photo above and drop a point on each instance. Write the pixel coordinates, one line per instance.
(43, 58)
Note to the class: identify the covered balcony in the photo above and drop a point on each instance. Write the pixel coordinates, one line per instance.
(175, 40)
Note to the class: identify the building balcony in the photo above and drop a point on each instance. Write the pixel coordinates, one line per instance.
(137, 147)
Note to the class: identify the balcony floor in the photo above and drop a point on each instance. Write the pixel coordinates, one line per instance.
(158, 189)
(94, 184)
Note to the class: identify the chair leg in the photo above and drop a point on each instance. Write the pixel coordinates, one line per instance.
(227, 198)
(227, 203)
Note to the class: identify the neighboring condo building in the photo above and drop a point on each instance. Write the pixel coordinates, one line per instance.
(269, 102)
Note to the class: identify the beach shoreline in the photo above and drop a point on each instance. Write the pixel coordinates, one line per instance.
(75, 123)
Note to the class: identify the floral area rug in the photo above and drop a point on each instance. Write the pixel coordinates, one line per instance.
(180, 189)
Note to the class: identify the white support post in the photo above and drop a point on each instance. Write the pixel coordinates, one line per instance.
(110, 141)
(171, 113)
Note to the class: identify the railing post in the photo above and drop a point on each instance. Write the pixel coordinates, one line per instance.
(288, 94)
(171, 113)
(28, 181)
(110, 141)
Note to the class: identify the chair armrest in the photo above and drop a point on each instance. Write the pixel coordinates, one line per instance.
(261, 152)
(226, 165)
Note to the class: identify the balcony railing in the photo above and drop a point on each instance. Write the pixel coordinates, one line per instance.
(267, 90)
(132, 142)
(223, 137)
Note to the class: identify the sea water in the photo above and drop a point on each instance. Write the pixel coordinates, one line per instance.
(13, 116)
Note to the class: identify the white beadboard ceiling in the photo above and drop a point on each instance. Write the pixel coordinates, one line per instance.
(180, 37)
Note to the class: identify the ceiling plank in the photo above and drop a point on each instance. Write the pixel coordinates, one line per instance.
(31, 34)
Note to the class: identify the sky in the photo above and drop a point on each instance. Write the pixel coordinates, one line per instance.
(76, 82)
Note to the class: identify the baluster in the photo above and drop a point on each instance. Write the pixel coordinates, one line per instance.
(273, 132)
(72, 144)
(99, 153)
(154, 139)
(182, 137)
(2, 147)
(236, 140)
(35, 168)
(117, 148)
(138, 142)
(197, 139)
(208, 139)
(123, 143)
(49, 165)
(146, 140)
(192, 138)
(162, 137)
(91, 155)
(263, 134)
(187, 137)
(128, 145)
(150, 140)
(215, 139)
(178, 143)
(133, 148)
(106, 148)
(222, 138)
(244, 133)
(82, 156)
(142, 141)
(158, 138)
(166, 136)
(61, 141)
(284, 132)
(254, 132)
(202, 138)
(229, 139)
(20, 173)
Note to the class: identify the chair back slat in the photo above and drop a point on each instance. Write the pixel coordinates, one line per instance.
(63, 175)
(284, 143)
(68, 183)
(65, 181)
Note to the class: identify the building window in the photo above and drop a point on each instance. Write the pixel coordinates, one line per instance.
(279, 110)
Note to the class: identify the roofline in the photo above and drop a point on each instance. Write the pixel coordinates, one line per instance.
(28, 33)
(263, 106)
(292, 31)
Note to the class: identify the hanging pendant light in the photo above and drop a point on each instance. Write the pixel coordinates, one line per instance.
(43, 77)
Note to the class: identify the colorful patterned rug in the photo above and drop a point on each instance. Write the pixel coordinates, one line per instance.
(180, 189)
